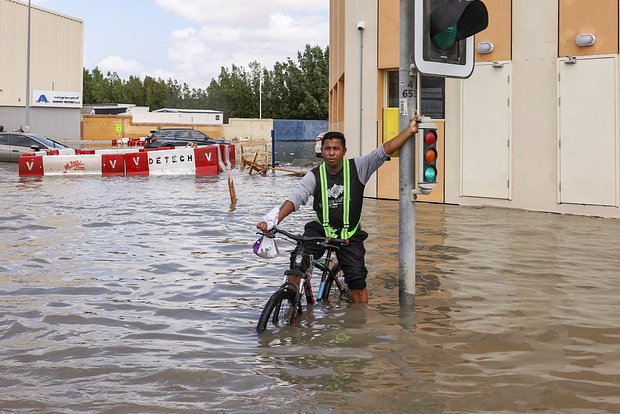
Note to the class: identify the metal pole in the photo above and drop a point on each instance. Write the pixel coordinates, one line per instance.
(260, 95)
(27, 114)
(273, 151)
(360, 28)
(408, 106)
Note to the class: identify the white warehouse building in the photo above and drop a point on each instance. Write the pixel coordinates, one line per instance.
(54, 100)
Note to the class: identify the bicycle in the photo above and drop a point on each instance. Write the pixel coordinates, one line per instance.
(285, 304)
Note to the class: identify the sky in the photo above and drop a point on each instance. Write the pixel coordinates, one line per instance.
(191, 40)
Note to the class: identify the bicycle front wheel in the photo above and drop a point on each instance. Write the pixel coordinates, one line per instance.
(279, 310)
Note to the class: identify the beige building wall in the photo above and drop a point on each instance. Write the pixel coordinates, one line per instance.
(533, 110)
(598, 17)
(536, 43)
(531, 39)
(103, 128)
(239, 129)
(388, 58)
(360, 88)
(336, 65)
(499, 31)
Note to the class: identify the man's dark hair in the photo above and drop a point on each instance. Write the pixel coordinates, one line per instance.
(334, 135)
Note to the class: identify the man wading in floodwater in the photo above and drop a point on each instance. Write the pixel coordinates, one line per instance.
(337, 186)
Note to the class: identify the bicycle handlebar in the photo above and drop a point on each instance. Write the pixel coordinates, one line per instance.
(327, 240)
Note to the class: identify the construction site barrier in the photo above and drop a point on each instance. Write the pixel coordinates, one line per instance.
(204, 160)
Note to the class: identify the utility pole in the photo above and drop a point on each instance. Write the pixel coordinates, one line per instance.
(408, 93)
(27, 114)
(361, 25)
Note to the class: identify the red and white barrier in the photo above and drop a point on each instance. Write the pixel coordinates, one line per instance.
(206, 160)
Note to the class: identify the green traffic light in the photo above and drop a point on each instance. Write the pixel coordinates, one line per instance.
(446, 39)
(430, 174)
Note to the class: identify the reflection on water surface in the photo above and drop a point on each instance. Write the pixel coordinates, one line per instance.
(140, 294)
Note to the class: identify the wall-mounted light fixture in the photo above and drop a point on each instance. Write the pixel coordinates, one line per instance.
(585, 39)
(484, 47)
(570, 60)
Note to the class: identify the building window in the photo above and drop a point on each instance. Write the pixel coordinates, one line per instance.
(433, 92)
(392, 96)
(433, 96)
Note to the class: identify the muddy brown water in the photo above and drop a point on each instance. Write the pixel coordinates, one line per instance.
(141, 294)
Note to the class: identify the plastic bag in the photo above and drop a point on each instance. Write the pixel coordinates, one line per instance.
(266, 247)
(271, 218)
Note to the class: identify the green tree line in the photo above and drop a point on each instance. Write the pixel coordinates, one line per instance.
(290, 90)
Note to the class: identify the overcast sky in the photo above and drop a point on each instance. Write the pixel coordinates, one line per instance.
(190, 40)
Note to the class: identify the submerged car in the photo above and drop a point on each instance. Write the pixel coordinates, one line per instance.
(14, 144)
(179, 137)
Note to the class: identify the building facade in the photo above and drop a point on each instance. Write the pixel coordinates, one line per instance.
(56, 64)
(536, 125)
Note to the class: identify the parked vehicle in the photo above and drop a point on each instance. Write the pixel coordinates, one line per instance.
(317, 146)
(14, 144)
(179, 137)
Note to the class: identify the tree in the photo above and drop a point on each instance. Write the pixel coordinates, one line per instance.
(309, 83)
(134, 91)
(290, 90)
(155, 92)
(87, 81)
(280, 93)
(98, 87)
(115, 88)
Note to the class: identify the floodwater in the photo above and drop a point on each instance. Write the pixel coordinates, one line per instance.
(141, 294)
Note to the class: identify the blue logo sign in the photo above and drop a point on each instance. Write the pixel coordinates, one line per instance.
(42, 98)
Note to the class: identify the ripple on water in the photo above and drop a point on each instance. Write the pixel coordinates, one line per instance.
(141, 294)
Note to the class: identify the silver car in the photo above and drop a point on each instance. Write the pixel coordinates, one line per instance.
(14, 144)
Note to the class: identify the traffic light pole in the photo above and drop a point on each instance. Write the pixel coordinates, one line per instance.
(408, 92)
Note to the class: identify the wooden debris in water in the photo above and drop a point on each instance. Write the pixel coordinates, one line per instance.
(260, 162)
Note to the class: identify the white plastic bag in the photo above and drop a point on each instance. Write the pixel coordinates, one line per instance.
(271, 218)
(265, 247)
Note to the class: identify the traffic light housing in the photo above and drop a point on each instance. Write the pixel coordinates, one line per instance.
(443, 36)
(427, 155)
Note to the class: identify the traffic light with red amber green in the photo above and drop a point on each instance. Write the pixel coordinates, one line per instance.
(444, 36)
(427, 155)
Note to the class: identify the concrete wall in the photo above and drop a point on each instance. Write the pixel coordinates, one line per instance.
(239, 129)
(103, 127)
(297, 129)
(178, 118)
